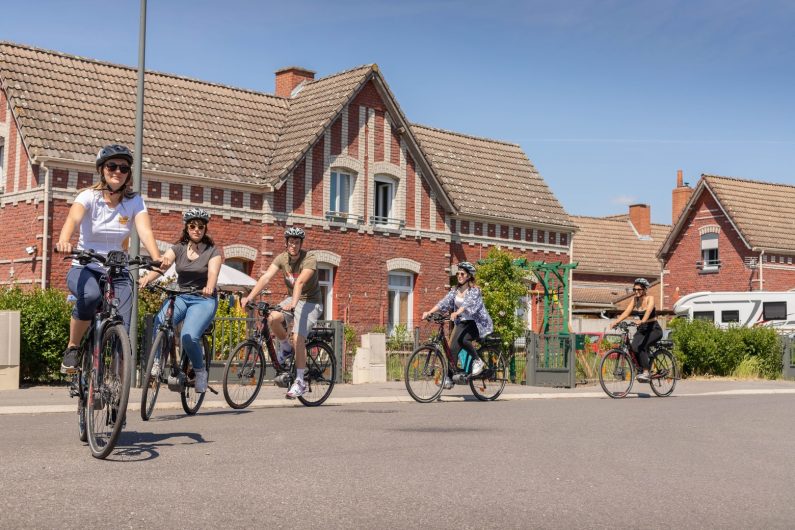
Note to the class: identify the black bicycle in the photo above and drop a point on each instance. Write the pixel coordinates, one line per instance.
(162, 365)
(619, 366)
(246, 366)
(433, 367)
(104, 373)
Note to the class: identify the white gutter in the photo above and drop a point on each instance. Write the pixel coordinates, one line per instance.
(45, 242)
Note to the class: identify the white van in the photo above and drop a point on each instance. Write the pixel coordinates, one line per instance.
(745, 308)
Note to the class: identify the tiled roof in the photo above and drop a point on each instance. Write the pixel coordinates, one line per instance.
(587, 293)
(311, 111)
(610, 245)
(68, 107)
(490, 178)
(762, 211)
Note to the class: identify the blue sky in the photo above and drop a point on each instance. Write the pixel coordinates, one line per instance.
(607, 98)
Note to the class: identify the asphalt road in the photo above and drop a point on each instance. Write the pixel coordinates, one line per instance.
(688, 462)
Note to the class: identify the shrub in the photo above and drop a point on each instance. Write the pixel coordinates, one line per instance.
(502, 282)
(44, 330)
(704, 349)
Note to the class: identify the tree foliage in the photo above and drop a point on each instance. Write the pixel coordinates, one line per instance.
(503, 288)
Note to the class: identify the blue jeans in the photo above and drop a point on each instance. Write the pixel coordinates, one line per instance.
(83, 282)
(195, 312)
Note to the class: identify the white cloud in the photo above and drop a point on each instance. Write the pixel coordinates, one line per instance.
(624, 200)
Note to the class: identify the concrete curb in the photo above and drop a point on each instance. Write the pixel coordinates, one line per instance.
(283, 403)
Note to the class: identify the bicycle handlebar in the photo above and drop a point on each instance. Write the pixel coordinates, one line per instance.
(264, 308)
(172, 291)
(624, 325)
(87, 256)
(438, 318)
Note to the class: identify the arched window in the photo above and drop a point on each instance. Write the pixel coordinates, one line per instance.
(400, 287)
(240, 264)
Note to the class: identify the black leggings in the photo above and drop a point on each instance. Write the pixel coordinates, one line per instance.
(647, 336)
(463, 335)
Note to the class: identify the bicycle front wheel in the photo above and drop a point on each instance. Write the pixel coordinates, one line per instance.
(663, 373)
(192, 400)
(320, 373)
(490, 383)
(616, 373)
(153, 374)
(108, 390)
(243, 374)
(424, 374)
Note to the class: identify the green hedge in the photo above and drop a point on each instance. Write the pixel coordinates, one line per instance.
(44, 332)
(704, 349)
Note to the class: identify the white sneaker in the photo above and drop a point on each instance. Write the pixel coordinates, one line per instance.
(200, 384)
(297, 389)
(156, 369)
(477, 367)
(447, 384)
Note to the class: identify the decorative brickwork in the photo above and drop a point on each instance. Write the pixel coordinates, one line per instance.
(175, 192)
(197, 194)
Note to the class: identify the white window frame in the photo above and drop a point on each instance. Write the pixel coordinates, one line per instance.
(328, 312)
(709, 243)
(335, 197)
(392, 187)
(396, 308)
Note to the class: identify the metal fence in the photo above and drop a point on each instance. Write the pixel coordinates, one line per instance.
(550, 360)
(788, 356)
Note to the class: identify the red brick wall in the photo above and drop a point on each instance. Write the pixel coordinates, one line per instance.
(353, 131)
(336, 137)
(280, 199)
(84, 180)
(410, 192)
(318, 207)
(11, 156)
(395, 147)
(684, 277)
(378, 153)
(299, 185)
(20, 226)
(368, 97)
(175, 192)
(3, 106)
(154, 189)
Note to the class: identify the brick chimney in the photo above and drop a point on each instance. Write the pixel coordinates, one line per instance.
(640, 217)
(290, 77)
(679, 197)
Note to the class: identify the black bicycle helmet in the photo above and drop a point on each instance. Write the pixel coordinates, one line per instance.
(294, 231)
(468, 267)
(113, 151)
(643, 282)
(196, 213)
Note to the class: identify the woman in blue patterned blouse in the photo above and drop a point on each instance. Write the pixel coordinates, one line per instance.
(464, 302)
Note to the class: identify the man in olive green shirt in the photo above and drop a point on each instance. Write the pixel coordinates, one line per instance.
(300, 276)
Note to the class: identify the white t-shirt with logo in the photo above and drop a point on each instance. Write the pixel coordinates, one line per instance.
(103, 227)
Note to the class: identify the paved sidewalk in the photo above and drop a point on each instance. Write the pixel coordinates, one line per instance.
(52, 399)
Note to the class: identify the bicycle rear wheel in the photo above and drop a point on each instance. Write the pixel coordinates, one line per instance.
(320, 373)
(243, 374)
(663, 373)
(192, 400)
(489, 384)
(82, 389)
(109, 390)
(616, 373)
(153, 376)
(424, 374)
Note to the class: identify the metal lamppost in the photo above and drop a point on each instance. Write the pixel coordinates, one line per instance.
(135, 242)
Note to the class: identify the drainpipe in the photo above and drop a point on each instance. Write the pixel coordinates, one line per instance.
(761, 279)
(45, 242)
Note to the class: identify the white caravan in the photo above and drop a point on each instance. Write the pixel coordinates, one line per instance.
(745, 308)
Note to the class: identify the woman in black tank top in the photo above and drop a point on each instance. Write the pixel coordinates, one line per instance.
(649, 331)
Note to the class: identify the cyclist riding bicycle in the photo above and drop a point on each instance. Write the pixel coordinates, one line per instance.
(299, 269)
(464, 302)
(198, 263)
(649, 332)
(104, 213)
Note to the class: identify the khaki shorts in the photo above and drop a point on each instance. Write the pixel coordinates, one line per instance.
(305, 316)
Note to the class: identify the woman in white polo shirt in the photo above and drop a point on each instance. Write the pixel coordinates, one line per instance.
(105, 214)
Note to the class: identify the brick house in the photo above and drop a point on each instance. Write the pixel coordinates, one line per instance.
(730, 234)
(389, 206)
(611, 253)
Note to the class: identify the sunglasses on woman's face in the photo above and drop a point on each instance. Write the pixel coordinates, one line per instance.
(113, 167)
(196, 226)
